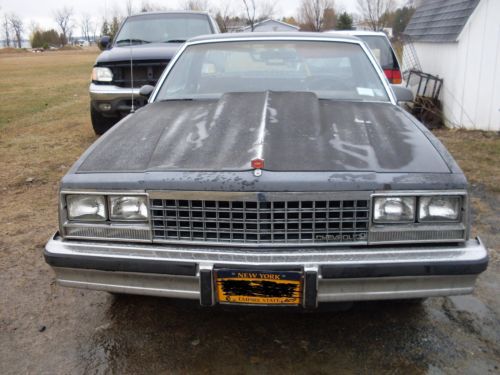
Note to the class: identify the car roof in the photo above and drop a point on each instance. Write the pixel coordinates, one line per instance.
(168, 12)
(357, 33)
(274, 35)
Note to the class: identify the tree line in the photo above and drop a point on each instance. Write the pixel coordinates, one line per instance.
(311, 15)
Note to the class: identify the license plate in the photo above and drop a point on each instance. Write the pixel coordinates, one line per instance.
(259, 287)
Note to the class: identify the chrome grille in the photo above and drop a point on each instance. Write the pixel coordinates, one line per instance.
(260, 222)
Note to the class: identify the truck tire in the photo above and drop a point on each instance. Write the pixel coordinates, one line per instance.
(100, 123)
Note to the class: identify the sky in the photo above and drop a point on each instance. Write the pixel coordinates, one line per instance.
(41, 11)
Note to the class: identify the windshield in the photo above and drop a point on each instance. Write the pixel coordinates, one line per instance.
(332, 70)
(382, 50)
(159, 28)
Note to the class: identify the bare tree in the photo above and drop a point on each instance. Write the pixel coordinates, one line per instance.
(267, 9)
(129, 7)
(313, 13)
(255, 11)
(251, 13)
(224, 14)
(17, 27)
(373, 12)
(6, 30)
(86, 26)
(64, 19)
(33, 26)
(94, 31)
(148, 6)
(195, 4)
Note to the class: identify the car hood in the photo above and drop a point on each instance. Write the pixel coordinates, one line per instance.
(150, 51)
(289, 131)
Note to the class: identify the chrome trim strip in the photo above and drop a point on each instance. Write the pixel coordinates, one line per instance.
(394, 287)
(471, 250)
(111, 92)
(330, 290)
(257, 196)
(132, 283)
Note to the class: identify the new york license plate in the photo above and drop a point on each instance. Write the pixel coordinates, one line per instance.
(259, 287)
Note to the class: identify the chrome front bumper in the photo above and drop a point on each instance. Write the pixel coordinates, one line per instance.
(330, 274)
(111, 92)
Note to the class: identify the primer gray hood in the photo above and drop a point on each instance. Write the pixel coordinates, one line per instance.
(290, 131)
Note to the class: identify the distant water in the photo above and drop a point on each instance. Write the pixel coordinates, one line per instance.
(24, 44)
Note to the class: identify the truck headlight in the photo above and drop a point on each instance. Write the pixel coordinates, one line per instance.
(128, 208)
(102, 74)
(86, 207)
(439, 208)
(394, 209)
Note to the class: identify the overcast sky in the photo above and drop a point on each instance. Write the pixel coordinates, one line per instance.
(41, 11)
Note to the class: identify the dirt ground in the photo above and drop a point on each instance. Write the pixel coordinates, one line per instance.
(44, 127)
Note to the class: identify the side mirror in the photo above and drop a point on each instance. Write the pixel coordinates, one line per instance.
(146, 90)
(104, 42)
(403, 94)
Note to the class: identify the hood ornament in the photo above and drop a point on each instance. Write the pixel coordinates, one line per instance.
(257, 165)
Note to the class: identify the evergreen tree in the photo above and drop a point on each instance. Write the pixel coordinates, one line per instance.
(344, 21)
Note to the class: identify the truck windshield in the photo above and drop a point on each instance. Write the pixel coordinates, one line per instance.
(162, 28)
(332, 70)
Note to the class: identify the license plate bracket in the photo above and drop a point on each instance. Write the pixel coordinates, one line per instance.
(259, 287)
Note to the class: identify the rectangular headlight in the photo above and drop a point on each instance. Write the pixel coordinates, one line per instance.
(439, 208)
(102, 74)
(394, 209)
(86, 207)
(128, 208)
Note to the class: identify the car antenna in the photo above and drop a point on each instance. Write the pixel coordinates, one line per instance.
(132, 108)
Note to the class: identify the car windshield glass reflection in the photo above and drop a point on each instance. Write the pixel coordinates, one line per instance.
(162, 28)
(331, 70)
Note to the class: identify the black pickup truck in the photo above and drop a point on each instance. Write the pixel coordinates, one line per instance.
(142, 48)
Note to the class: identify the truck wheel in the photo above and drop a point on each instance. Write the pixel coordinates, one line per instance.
(100, 123)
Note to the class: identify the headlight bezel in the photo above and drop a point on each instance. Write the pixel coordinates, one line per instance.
(107, 195)
(105, 71)
(418, 195)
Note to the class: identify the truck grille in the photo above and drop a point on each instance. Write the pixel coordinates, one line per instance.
(145, 73)
(260, 222)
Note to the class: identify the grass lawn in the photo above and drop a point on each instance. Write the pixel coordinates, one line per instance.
(477, 153)
(44, 127)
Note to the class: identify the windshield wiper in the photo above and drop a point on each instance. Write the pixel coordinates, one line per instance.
(175, 99)
(130, 41)
(175, 41)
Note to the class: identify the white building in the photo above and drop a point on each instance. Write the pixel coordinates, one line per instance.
(459, 41)
(272, 25)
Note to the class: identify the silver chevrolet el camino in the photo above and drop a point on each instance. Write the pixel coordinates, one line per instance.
(268, 169)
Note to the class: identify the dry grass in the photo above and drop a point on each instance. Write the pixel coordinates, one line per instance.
(11, 50)
(477, 153)
(44, 127)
